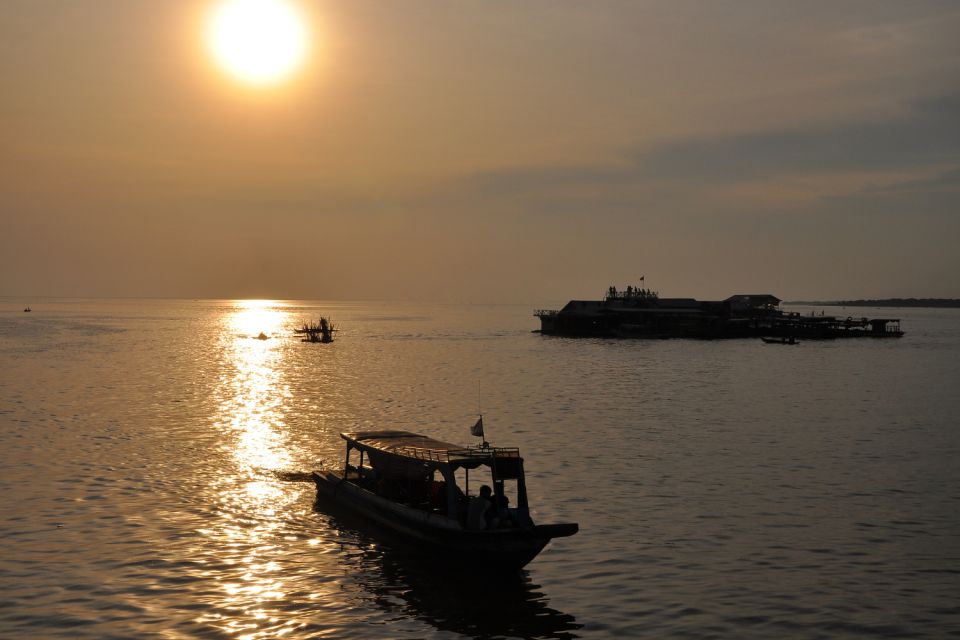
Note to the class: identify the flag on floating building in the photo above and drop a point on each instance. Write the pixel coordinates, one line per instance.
(477, 429)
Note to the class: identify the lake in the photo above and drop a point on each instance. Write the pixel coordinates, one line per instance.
(153, 452)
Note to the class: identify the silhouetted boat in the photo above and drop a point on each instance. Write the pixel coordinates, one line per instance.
(788, 340)
(395, 484)
(27, 310)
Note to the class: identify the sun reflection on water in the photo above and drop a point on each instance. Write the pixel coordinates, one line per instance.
(253, 402)
(252, 317)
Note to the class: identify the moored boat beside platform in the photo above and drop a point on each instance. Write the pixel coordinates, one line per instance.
(782, 340)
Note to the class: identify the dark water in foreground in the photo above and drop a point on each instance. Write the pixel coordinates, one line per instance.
(723, 489)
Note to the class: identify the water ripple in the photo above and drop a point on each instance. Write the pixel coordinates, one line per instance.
(155, 476)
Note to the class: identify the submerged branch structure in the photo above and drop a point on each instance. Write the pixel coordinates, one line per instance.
(320, 331)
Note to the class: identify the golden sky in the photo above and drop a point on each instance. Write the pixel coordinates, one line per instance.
(491, 151)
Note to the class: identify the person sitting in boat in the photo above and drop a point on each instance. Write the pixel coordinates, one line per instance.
(438, 495)
(499, 515)
(478, 508)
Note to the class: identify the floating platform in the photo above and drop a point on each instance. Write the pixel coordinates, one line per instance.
(641, 313)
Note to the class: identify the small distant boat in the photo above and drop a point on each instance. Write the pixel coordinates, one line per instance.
(263, 336)
(27, 310)
(407, 483)
(788, 340)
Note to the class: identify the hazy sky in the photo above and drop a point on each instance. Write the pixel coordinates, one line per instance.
(485, 150)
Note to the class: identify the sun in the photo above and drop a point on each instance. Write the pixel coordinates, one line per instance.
(260, 42)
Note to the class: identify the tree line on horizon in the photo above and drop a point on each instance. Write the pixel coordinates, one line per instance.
(889, 302)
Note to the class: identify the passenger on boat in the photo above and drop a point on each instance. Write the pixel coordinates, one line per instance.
(499, 516)
(438, 495)
(478, 508)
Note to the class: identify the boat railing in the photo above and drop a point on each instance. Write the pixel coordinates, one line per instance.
(485, 452)
(446, 455)
(545, 313)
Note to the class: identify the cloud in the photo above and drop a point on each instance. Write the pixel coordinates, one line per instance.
(925, 135)
(945, 181)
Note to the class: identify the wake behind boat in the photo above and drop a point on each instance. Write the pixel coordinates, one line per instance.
(410, 484)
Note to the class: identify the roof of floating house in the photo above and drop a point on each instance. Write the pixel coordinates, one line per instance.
(754, 299)
(678, 303)
(583, 306)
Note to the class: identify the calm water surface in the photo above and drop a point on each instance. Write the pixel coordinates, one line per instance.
(150, 452)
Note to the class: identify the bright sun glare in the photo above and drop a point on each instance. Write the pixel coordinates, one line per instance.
(258, 41)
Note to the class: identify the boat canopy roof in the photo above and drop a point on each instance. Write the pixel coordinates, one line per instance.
(423, 449)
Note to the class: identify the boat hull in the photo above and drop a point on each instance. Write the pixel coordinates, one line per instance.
(498, 550)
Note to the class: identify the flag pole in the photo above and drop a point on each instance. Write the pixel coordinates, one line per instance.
(477, 429)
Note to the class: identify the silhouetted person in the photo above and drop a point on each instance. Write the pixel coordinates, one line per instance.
(499, 515)
(478, 508)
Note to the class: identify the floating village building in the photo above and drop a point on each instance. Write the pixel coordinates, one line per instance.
(641, 313)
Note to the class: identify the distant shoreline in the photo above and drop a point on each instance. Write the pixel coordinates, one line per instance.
(887, 302)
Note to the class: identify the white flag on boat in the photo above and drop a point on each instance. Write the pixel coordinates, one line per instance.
(477, 429)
